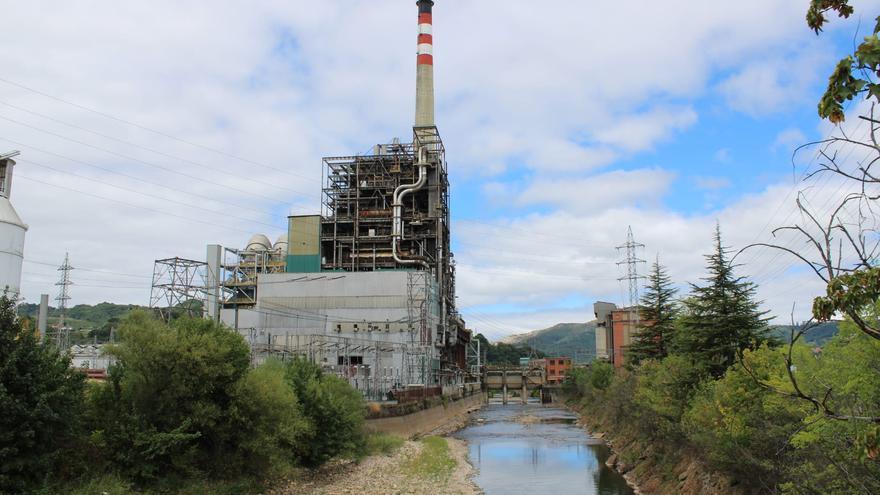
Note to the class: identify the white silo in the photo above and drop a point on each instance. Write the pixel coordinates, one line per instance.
(12, 230)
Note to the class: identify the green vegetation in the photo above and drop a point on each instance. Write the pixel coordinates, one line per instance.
(748, 415)
(183, 411)
(40, 406)
(721, 319)
(574, 340)
(385, 444)
(502, 354)
(657, 316)
(434, 461)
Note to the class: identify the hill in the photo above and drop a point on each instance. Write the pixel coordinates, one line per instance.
(817, 336)
(574, 340)
(578, 340)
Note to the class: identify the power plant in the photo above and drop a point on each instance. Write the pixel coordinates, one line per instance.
(12, 231)
(366, 286)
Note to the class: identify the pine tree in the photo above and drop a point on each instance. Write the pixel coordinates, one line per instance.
(722, 318)
(657, 315)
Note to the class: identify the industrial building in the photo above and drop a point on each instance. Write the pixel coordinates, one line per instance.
(12, 231)
(366, 286)
(615, 330)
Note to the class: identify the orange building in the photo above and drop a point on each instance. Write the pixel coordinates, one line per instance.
(624, 323)
(557, 368)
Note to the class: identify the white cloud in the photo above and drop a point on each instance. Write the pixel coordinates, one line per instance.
(599, 192)
(712, 183)
(774, 84)
(641, 131)
(788, 139)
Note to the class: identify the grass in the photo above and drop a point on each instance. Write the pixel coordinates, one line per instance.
(382, 443)
(434, 461)
(113, 485)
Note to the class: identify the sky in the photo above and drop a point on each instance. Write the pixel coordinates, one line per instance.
(148, 130)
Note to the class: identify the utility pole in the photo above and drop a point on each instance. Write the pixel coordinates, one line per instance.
(632, 262)
(63, 298)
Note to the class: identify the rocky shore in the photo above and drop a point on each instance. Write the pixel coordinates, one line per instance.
(386, 475)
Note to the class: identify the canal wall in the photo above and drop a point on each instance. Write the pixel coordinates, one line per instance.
(653, 468)
(428, 420)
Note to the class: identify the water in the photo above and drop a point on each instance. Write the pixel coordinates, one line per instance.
(533, 449)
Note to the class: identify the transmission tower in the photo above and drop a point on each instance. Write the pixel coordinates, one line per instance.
(632, 262)
(62, 335)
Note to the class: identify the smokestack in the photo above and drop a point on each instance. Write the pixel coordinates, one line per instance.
(425, 68)
(42, 321)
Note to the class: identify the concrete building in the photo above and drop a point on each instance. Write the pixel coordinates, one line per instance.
(557, 368)
(366, 288)
(12, 231)
(615, 329)
(625, 323)
(604, 328)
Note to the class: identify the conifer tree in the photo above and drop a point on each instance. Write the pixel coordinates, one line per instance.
(656, 318)
(721, 319)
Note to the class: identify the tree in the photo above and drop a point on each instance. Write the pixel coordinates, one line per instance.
(335, 410)
(721, 319)
(165, 411)
(40, 405)
(657, 315)
(853, 74)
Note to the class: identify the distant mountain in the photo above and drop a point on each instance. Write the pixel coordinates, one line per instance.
(574, 340)
(817, 336)
(578, 340)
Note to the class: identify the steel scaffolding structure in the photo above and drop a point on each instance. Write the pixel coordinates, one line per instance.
(178, 285)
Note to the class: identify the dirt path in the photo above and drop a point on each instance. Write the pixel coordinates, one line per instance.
(386, 475)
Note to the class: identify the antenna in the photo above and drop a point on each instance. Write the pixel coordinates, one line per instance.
(632, 268)
(63, 297)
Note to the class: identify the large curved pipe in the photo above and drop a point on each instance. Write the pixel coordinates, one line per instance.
(397, 208)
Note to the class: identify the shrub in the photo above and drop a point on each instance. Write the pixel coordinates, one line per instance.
(664, 390)
(743, 428)
(335, 410)
(40, 405)
(165, 410)
(266, 421)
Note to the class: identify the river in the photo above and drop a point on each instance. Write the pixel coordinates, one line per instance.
(531, 449)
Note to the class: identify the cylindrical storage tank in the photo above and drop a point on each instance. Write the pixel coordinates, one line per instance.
(12, 231)
(259, 242)
(281, 244)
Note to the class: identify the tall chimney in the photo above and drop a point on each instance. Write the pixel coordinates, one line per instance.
(425, 68)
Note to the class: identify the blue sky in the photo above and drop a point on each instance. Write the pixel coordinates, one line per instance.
(564, 124)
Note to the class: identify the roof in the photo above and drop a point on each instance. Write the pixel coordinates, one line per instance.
(9, 215)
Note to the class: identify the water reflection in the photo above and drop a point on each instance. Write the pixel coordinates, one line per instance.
(534, 449)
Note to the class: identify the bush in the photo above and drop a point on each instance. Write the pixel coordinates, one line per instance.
(742, 428)
(601, 374)
(266, 421)
(665, 387)
(335, 410)
(167, 409)
(40, 405)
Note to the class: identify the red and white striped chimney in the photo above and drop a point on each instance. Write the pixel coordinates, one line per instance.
(425, 67)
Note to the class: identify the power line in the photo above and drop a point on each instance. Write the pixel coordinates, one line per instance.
(133, 177)
(139, 126)
(213, 224)
(146, 163)
(129, 143)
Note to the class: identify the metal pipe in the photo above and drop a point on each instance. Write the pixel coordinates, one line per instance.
(397, 206)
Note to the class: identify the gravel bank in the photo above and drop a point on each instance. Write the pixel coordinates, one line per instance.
(380, 474)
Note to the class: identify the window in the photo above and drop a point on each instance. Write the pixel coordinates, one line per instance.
(352, 360)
